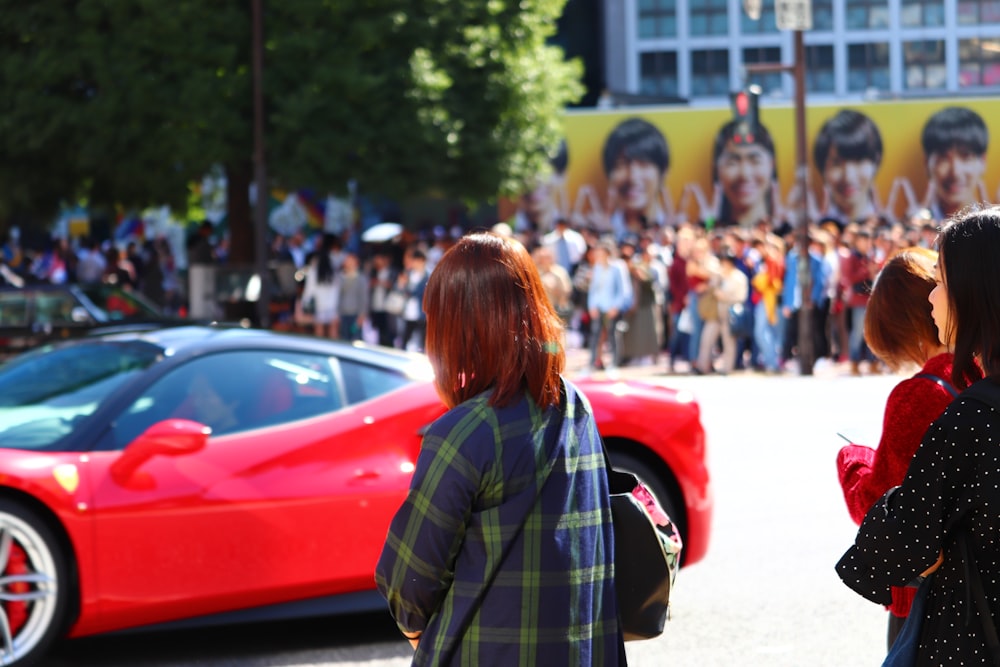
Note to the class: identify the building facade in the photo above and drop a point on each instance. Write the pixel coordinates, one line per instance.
(856, 50)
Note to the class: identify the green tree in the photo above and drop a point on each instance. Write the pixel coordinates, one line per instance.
(128, 102)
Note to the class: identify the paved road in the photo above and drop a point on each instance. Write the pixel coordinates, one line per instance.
(765, 595)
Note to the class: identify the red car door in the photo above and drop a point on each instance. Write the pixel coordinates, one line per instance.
(288, 510)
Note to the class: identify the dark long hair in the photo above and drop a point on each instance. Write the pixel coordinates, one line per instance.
(324, 264)
(490, 324)
(969, 248)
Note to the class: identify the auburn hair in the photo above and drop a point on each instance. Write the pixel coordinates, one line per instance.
(898, 324)
(490, 324)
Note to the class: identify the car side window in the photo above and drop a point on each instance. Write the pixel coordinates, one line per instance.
(364, 381)
(13, 309)
(232, 392)
(54, 307)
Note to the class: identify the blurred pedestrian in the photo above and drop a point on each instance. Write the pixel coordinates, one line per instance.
(642, 339)
(729, 287)
(91, 263)
(381, 279)
(608, 297)
(857, 273)
(321, 292)
(352, 298)
(768, 321)
(677, 300)
(413, 281)
(556, 281)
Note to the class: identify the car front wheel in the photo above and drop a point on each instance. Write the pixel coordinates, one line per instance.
(34, 586)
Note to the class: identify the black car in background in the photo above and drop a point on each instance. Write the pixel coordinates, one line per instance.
(41, 313)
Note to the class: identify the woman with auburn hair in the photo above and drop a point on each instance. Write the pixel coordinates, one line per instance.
(502, 552)
(900, 331)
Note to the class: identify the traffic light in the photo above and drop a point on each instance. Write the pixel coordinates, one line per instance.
(745, 113)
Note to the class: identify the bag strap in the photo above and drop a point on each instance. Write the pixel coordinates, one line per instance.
(939, 381)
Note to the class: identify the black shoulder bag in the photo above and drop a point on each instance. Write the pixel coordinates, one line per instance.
(647, 557)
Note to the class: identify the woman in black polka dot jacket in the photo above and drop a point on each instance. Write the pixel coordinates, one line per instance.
(945, 517)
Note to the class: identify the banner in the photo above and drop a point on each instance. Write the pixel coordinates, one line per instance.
(893, 159)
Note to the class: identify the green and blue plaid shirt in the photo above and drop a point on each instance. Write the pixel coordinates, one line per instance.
(503, 552)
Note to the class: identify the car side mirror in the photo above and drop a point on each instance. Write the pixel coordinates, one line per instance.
(79, 314)
(170, 437)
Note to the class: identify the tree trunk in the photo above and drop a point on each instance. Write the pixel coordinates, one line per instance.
(241, 228)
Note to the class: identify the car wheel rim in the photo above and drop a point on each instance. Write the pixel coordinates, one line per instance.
(28, 588)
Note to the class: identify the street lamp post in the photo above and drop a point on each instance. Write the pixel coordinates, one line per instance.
(260, 168)
(796, 15)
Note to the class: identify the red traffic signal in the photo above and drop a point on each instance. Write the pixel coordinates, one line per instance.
(744, 104)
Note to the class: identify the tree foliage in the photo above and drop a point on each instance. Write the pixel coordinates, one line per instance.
(127, 102)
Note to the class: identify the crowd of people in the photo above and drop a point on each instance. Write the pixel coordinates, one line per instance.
(721, 300)
(689, 298)
(147, 268)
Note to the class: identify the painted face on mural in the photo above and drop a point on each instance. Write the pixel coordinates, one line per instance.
(849, 182)
(745, 172)
(955, 174)
(635, 183)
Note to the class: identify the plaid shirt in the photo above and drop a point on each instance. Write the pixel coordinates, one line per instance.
(503, 553)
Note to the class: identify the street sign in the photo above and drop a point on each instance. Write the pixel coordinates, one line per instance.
(793, 14)
(752, 8)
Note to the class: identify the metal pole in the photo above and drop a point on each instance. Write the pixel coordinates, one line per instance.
(260, 169)
(806, 351)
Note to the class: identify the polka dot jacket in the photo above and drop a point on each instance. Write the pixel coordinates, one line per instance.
(952, 488)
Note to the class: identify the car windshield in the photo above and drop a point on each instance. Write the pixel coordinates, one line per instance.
(44, 393)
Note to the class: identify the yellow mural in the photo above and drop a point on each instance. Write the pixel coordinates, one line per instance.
(689, 189)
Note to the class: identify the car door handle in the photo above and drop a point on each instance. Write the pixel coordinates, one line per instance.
(362, 475)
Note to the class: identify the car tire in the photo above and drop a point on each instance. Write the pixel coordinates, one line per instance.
(34, 585)
(656, 486)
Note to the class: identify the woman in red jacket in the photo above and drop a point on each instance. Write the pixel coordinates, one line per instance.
(899, 330)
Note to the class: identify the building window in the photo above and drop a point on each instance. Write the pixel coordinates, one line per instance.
(867, 14)
(921, 13)
(658, 74)
(764, 25)
(822, 13)
(709, 17)
(709, 72)
(657, 18)
(979, 62)
(867, 67)
(923, 64)
(974, 12)
(819, 69)
(769, 81)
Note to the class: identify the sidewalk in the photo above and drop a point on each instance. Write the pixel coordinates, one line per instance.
(578, 359)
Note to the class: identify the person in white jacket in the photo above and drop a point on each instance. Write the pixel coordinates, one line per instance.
(320, 295)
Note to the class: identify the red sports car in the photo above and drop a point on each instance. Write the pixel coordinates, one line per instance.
(196, 474)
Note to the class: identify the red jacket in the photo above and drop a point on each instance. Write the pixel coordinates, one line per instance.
(866, 473)
(856, 274)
